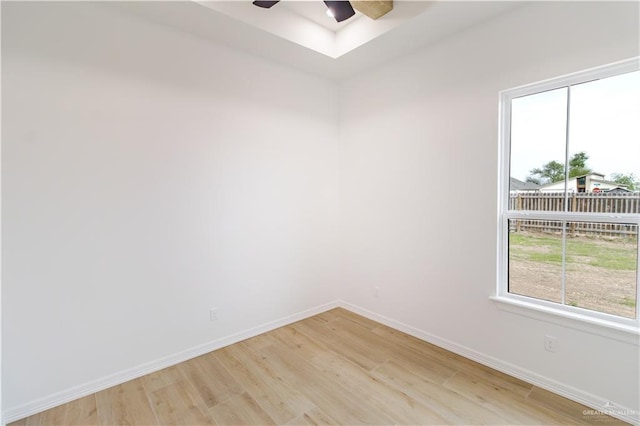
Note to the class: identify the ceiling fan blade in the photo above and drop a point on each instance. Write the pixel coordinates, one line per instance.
(265, 4)
(374, 9)
(341, 9)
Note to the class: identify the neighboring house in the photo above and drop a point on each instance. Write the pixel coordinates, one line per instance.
(593, 182)
(516, 185)
(618, 190)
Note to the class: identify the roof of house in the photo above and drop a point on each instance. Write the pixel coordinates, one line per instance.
(589, 174)
(518, 185)
(618, 190)
(597, 177)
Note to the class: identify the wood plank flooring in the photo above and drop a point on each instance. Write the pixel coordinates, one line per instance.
(336, 368)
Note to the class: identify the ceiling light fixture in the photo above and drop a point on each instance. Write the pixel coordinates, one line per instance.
(339, 10)
(265, 4)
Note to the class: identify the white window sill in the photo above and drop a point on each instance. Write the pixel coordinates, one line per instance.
(622, 332)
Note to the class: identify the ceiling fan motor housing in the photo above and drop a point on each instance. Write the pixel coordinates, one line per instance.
(340, 10)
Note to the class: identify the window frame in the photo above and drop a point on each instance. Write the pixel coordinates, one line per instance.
(588, 320)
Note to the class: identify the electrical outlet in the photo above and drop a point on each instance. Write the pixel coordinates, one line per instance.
(550, 343)
(213, 314)
(376, 292)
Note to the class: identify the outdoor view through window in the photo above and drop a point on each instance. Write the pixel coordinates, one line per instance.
(575, 170)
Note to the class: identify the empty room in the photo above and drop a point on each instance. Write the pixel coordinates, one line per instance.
(308, 212)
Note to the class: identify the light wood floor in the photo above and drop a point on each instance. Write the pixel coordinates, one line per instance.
(334, 368)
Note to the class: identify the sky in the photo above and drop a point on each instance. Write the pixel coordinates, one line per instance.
(604, 123)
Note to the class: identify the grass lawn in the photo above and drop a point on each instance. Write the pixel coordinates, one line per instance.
(600, 274)
(615, 255)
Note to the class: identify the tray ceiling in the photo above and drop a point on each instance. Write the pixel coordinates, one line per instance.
(301, 35)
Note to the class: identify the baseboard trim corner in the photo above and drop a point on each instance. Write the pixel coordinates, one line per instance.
(597, 403)
(68, 395)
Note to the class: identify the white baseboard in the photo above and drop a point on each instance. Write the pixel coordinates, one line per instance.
(596, 403)
(593, 401)
(39, 405)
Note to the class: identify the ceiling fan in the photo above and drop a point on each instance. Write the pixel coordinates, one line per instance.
(343, 10)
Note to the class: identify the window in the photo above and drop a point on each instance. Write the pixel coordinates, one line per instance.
(570, 195)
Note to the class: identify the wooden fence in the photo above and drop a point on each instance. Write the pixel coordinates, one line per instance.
(577, 202)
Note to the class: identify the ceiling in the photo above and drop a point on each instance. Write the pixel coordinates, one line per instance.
(315, 11)
(301, 35)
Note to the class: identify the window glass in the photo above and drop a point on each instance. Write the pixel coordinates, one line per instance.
(572, 211)
(605, 132)
(535, 259)
(601, 267)
(538, 135)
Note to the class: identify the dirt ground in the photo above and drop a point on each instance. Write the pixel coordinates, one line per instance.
(590, 287)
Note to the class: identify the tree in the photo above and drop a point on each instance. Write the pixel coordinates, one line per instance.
(550, 172)
(578, 165)
(553, 171)
(630, 180)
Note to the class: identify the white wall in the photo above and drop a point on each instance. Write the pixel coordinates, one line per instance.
(147, 176)
(418, 134)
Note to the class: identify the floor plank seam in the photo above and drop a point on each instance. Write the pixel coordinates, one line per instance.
(336, 368)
